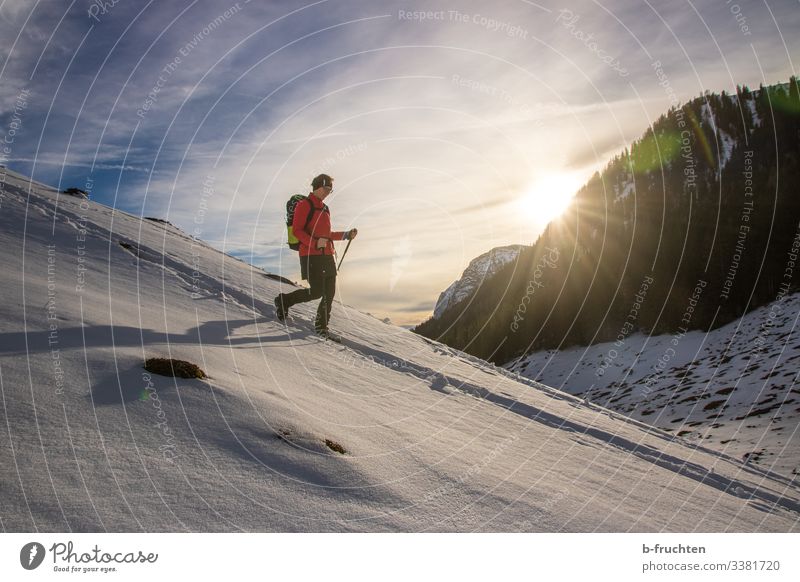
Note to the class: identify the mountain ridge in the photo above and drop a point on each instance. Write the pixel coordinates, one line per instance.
(688, 202)
(480, 267)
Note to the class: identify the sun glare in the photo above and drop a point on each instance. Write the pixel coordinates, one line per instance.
(549, 196)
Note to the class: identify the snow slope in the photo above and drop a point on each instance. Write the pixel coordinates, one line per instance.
(735, 389)
(433, 439)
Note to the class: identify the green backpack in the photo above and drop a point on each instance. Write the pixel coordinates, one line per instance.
(291, 205)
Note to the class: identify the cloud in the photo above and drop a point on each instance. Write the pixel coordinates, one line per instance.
(433, 129)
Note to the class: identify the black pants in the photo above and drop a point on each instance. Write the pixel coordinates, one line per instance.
(322, 279)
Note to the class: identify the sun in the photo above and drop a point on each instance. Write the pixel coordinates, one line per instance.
(549, 195)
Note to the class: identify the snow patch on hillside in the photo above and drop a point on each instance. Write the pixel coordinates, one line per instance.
(734, 389)
(726, 144)
(628, 187)
(751, 105)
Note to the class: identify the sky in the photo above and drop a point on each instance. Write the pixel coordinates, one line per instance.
(449, 127)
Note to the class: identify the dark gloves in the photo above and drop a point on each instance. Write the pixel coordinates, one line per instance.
(350, 234)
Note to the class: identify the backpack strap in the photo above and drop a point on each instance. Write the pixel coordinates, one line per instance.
(312, 211)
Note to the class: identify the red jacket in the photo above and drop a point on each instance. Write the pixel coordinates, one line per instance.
(319, 227)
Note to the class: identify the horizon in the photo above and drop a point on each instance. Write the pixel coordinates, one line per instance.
(449, 130)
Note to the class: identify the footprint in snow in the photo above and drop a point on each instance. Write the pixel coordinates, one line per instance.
(439, 383)
(308, 442)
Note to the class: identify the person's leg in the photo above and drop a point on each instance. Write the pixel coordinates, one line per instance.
(316, 288)
(326, 303)
(328, 291)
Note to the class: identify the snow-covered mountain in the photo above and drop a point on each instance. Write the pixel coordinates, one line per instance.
(478, 269)
(387, 432)
(735, 389)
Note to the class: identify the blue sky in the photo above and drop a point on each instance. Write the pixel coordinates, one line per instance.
(450, 127)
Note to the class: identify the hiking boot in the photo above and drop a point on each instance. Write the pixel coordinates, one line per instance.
(326, 334)
(280, 309)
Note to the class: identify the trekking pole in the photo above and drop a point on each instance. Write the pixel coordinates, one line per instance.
(339, 266)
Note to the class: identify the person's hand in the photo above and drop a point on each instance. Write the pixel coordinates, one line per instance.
(351, 234)
(322, 243)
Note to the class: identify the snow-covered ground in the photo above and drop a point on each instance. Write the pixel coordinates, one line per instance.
(432, 439)
(734, 389)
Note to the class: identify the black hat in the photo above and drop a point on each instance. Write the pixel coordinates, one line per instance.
(321, 180)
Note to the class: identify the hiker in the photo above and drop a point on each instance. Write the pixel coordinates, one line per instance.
(316, 255)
